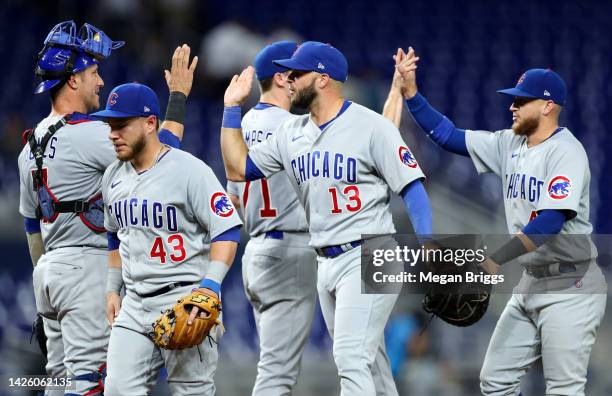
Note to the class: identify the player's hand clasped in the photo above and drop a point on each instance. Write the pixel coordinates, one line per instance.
(406, 66)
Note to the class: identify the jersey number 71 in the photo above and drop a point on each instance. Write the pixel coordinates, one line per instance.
(267, 210)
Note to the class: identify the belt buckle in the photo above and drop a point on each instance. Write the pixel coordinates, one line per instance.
(81, 206)
(537, 272)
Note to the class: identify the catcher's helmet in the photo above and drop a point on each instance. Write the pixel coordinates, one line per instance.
(65, 53)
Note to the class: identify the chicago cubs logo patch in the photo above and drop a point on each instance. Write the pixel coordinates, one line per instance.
(406, 157)
(112, 99)
(560, 187)
(221, 205)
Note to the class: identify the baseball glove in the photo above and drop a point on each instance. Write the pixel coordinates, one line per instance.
(459, 303)
(171, 330)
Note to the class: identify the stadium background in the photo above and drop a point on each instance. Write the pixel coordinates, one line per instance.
(468, 50)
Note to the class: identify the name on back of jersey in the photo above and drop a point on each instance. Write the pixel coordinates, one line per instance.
(142, 212)
(254, 137)
(49, 150)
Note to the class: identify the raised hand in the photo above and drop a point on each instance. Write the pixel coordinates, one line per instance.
(239, 88)
(180, 76)
(397, 77)
(407, 70)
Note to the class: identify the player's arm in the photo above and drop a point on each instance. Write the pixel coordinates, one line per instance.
(547, 224)
(35, 242)
(180, 80)
(392, 108)
(418, 208)
(233, 148)
(233, 191)
(235, 200)
(222, 252)
(114, 279)
(439, 129)
(27, 207)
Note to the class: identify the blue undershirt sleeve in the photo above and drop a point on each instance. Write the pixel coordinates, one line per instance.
(233, 234)
(32, 226)
(547, 223)
(167, 137)
(251, 171)
(438, 128)
(418, 208)
(113, 241)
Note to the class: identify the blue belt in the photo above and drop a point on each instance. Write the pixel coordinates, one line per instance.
(337, 250)
(274, 234)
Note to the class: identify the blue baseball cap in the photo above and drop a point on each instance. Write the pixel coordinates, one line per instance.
(318, 57)
(264, 68)
(539, 84)
(130, 100)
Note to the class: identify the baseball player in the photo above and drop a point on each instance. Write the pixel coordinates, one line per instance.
(61, 169)
(174, 229)
(343, 161)
(279, 269)
(546, 178)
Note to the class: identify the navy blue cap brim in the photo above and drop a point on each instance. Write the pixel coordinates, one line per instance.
(119, 114)
(517, 92)
(45, 86)
(292, 64)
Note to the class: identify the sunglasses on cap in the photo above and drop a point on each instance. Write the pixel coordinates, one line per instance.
(520, 101)
(295, 74)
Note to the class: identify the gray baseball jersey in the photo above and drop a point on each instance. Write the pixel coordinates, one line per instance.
(75, 159)
(165, 219)
(342, 174)
(279, 274)
(268, 204)
(551, 175)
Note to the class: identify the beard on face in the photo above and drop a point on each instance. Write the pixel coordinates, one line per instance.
(526, 127)
(305, 97)
(134, 149)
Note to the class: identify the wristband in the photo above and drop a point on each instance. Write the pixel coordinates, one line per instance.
(114, 280)
(231, 117)
(176, 107)
(216, 271)
(211, 284)
(509, 251)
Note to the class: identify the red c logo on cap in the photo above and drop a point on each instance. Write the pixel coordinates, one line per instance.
(112, 99)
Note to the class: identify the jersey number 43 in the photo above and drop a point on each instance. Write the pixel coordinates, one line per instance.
(176, 252)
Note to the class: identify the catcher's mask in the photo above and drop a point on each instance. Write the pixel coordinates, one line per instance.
(65, 52)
